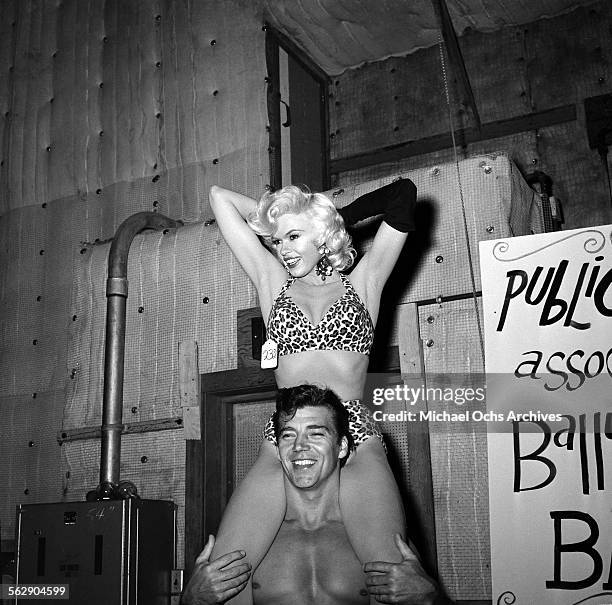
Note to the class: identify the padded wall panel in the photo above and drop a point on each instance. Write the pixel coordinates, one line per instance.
(458, 452)
(497, 204)
(109, 111)
(182, 285)
(30, 454)
(106, 93)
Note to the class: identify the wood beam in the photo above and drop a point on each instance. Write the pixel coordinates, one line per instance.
(438, 142)
(455, 58)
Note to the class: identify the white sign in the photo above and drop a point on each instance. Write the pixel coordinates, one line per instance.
(547, 303)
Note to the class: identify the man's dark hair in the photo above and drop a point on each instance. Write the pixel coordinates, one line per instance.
(290, 400)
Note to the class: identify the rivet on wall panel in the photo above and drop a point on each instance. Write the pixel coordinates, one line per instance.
(216, 92)
(54, 55)
(48, 147)
(395, 97)
(101, 85)
(134, 409)
(216, 161)
(144, 459)
(157, 17)
(105, 39)
(165, 231)
(155, 204)
(26, 491)
(38, 298)
(490, 229)
(74, 318)
(267, 80)
(31, 444)
(439, 299)
(35, 342)
(213, 42)
(33, 395)
(205, 300)
(73, 373)
(7, 114)
(534, 161)
(41, 252)
(601, 79)
(395, 128)
(158, 64)
(332, 135)
(439, 259)
(435, 171)
(101, 133)
(140, 309)
(98, 191)
(429, 342)
(158, 115)
(51, 100)
(431, 319)
(44, 204)
(83, 250)
(392, 70)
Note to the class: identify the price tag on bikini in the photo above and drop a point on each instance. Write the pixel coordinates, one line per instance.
(269, 355)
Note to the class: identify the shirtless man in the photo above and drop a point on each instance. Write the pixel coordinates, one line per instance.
(311, 560)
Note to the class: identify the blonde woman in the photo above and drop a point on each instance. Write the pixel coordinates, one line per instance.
(320, 327)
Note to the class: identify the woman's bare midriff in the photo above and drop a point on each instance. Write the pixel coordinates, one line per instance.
(344, 372)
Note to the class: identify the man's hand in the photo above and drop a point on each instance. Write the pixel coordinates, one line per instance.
(405, 583)
(211, 583)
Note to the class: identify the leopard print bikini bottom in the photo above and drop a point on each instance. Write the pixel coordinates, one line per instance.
(361, 424)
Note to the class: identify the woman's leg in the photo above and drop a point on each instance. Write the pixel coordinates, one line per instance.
(371, 505)
(254, 514)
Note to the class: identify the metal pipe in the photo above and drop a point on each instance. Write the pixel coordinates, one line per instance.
(114, 348)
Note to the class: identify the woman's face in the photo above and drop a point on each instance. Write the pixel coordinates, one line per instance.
(296, 241)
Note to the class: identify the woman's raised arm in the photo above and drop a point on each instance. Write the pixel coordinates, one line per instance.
(231, 210)
(396, 202)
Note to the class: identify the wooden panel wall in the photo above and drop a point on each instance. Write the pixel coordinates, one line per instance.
(546, 64)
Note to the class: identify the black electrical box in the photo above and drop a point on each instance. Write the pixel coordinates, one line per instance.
(112, 552)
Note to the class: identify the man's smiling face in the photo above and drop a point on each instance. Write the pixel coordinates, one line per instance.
(308, 446)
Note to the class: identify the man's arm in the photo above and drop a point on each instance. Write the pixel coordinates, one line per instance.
(212, 583)
(404, 583)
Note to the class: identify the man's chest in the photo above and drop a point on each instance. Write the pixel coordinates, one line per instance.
(308, 567)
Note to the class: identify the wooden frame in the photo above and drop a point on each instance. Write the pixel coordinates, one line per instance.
(274, 41)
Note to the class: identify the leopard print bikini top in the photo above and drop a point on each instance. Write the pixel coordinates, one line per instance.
(346, 325)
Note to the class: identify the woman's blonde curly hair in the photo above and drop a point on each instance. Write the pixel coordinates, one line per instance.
(294, 200)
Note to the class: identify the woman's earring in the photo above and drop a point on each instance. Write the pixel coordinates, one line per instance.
(324, 267)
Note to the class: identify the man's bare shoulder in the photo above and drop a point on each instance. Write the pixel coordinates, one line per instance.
(304, 567)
